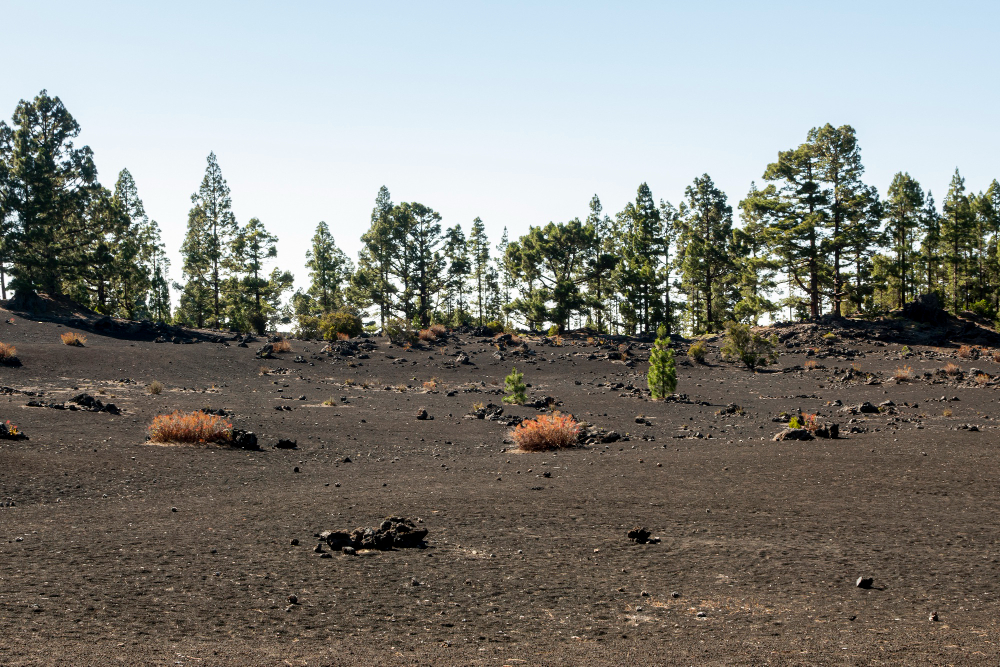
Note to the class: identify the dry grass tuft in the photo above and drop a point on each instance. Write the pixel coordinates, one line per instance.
(996, 356)
(281, 346)
(982, 379)
(194, 427)
(947, 413)
(155, 387)
(968, 352)
(544, 432)
(811, 364)
(430, 385)
(73, 338)
(952, 369)
(330, 401)
(342, 336)
(903, 374)
(7, 353)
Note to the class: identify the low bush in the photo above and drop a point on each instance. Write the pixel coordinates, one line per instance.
(952, 369)
(829, 335)
(982, 379)
(400, 332)
(155, 387)
(968, 352)
(545, 432)
(516, 390)
(811, 364)
(8, 354)
(743, 344)
(903, 374)
(194, 427)
(281, 346)
(698, 351)
(553, 331)
(73, 338)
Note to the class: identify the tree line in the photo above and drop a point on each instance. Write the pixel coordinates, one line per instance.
(813, 238)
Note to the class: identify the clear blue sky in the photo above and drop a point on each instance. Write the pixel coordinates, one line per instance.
(514, 112)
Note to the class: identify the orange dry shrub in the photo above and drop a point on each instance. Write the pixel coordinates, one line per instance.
(7, 352)
(996, 356)
(545, 432)
(194, 427)
(439, 330)
(73, 338)
(982, 379)
(427, 335)
(968, 352)
(903, 374)
(811, 364)
(342, 336)
(952, 369)
(281, 346)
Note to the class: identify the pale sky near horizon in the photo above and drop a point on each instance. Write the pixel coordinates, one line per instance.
(514, 112)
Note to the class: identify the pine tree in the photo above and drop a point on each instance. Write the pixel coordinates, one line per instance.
(957, 227)
(424, 262)
(705, 252)
(930, 246)
(215, 203)
(329, 268)
(516, 390)
(479, 253)
(196, 293)
(372, 282)
(159, 263)
(903, 208)
(754, 266)
(456, 253)
(131, 250)
(254, 295)
(662, 376)
(639, 271)
(47, 184)
(602, 262)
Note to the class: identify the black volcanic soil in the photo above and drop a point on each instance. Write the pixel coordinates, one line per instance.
(115, 551)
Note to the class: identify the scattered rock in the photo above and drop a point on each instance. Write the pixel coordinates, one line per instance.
(422, 415)
(242, 439)
(865, 582)
(286, 444)
(639, 535)
(393, 533)
(266, 351)
(793, 434)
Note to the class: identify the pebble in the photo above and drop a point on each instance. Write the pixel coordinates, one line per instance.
(864, 582)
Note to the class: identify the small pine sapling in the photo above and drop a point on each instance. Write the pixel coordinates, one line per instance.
(514, 385)
(662, 377)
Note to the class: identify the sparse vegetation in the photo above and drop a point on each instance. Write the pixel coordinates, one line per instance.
(73, 338)
(281, 346)
(8, 354)
(829, 336)
(516, 390)
(430, 385)
(545, 432)
(968, 352)
(905, 349)
(697, 351)
(952, 369)
(330, 401)
(194, 427)
(662, 376)
(982, 379)
(903, 374)
(155, 387)
(811, 364)
(996, 356)
(947, 413)
(743, 344)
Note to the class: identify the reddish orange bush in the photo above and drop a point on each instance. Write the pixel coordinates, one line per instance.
(192, 427)
(281, 346)
(342, 336)
(544, 432)
(73, 338)
(7, 352)
(952, 369)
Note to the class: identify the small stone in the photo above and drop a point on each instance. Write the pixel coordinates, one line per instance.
(295, 469)
(173, 509)
(295, 542)
(701, 614)
(644, 594)
(865, 582)
(318, 548)
(293, 599)
(675, 595)
(933, 617)
(348, 551)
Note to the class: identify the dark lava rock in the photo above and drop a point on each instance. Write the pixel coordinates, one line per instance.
(865, 582)
(9, 432)
(243, 439)
(393, 533)
(422, 415)
(286, 444)
(610, 436)
(463, 358)
(88, 402)
(793, 434)
(639, 535)
(831, 431)
(266, 351)
(925, 308)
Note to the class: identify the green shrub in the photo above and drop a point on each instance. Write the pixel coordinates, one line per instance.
(698, 351)
(751, 348)
(983, 308)
(794, 423)
(495, 327)
(553, 331)
(400, 332)
(516, 390)
(829, 335)
(662, 377)
(339, 322)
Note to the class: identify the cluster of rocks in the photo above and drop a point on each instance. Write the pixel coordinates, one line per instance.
(84, 402)
(394, 532)
(358, 349)
(494, 413)
(641, 535)
(828, 431)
